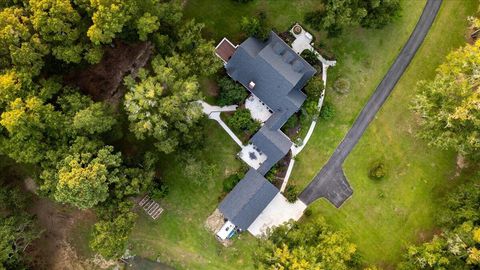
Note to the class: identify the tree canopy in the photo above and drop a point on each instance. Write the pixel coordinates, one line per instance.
(306, 245)
(448, 104)
(17, 228)
(337, 15)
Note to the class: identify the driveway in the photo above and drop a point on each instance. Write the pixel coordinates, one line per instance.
(330, 182)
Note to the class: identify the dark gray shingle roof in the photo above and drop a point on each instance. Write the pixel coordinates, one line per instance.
(279, 75)
(248, 199)
(275, 68)
(272, 143)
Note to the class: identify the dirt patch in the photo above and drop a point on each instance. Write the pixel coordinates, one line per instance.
(279, 171)
(462, 163)
(52, 250)
(102, 81)
(211, 87)
(214, 223)
(427, 235)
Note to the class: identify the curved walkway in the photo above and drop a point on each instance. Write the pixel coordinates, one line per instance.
(330, 182)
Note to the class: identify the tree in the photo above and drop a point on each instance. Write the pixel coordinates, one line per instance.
(242, 121)
(17, 228)
(147, 24)
(379, 12)
(33, 128)
(84, 175)
(255, 26)
(110, 236)
(18, 45)
(291, 193)
(109, 18)
(448, 104)
(162, 105)
(458, 246)
(94, 119)
(462, 206)
(340, 14)
(58, 23)
(230, 92)
(195, 52)
(377, 171)
(307, 245)
(451, 250)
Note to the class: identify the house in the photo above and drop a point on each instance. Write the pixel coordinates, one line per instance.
(274, 75)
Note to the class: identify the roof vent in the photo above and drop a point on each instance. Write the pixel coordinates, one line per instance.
(251, 85)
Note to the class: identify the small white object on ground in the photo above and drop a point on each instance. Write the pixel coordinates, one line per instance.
(226, 231)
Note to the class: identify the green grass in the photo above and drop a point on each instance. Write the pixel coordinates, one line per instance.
(178, 237)
(384, 215)
(222, 17)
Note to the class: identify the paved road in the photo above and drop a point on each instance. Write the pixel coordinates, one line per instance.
(330, 182)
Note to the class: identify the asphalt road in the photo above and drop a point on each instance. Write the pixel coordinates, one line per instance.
(330, 182)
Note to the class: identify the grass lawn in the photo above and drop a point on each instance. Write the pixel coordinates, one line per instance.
(383, 216)
(222, 17)
(179, 237)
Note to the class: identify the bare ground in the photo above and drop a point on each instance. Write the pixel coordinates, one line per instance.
(103, 81)
(52, 250)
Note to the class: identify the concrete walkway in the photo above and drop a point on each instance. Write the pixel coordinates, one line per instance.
(213, 113)
(330, 182)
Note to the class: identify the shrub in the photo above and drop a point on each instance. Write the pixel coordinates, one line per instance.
(291, 193)
(230, 182)
(310, 109)
(291, 123)
(314, 19)
(242, 121)
(378, 171)
(328, 111)
(310, 57)
(272, 174)
(287, 37)
(255, 26)
(159, 189)
(342, 86)
(314, 87)
(230, 92)
(308, 212)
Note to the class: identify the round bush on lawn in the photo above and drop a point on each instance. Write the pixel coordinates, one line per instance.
(342, 86)
(378, 171)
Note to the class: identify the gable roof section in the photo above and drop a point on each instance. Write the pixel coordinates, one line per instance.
(273, 66)
(274, 144)
(248, 199)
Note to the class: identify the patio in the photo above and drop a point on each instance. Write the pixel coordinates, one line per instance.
(252, 156)
(257, 108)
